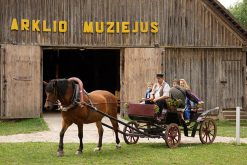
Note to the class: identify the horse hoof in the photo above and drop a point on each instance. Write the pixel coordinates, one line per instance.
(78, 152)
(118, 146)
(60, 153)
(97, 149)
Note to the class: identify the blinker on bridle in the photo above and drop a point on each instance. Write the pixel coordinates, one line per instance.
(55, 93)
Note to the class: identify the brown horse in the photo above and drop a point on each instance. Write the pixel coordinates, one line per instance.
(62, 90)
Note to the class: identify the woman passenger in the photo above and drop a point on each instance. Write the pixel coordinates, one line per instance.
(191, 99)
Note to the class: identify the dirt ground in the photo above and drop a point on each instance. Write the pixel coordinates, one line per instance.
(90, 134)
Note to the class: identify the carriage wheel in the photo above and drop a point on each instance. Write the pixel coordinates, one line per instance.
(207, 132)
(172, 135)
(129, 139)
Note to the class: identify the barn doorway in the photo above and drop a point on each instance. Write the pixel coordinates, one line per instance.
(97, 68)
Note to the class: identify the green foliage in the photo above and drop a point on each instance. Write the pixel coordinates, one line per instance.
(174, 102)
(139, 154)
(22, 126)
(240, 12)
(126, 105)
(156, 108)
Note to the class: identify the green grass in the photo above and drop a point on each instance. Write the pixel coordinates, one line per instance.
(22, 126)
(227, 128)
(139, 154)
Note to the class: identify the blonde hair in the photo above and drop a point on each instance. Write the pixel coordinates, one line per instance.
(186, 86)
(150, 84)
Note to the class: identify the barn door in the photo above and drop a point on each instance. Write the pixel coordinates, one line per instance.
(140, 66)
(20, 79)
(231, 80)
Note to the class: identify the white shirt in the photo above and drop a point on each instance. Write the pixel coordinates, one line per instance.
(158, 87)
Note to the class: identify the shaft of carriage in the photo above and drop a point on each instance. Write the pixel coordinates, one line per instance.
(115, 119)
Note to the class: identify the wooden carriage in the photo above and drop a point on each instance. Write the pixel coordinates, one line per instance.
(144, 119)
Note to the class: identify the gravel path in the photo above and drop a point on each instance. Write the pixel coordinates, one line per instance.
(90, 134)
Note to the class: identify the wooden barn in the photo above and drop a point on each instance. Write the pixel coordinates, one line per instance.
(119, 45)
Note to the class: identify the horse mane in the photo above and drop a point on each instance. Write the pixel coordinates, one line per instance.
(60, 84)
(49, 87)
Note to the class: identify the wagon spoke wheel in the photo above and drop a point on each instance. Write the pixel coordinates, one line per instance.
(207, 132)
(128, 136)
(172, 135)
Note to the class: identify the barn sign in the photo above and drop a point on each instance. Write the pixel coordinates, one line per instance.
(120, 27)
(88, 27)
(36, 25)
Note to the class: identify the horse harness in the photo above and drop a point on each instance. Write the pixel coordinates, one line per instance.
(75, 101)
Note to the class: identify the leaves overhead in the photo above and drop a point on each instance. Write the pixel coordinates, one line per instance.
(239, 11)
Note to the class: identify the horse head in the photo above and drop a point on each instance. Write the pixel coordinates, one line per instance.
(55, 90)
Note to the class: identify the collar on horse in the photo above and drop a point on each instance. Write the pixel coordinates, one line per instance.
(77, 98)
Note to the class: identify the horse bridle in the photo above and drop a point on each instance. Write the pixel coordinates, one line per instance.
(53, 102)
(57, 102)
(55, 93)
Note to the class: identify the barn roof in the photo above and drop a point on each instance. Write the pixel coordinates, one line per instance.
(228, 17)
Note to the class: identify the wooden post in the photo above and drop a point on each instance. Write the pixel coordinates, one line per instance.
(238, 125)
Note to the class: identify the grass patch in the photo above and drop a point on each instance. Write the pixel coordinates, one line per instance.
(228, 128)
(142, 153)
(22, 126)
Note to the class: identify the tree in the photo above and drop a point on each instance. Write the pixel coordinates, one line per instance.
(239, 11)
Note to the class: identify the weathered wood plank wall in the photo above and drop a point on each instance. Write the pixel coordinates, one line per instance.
(140, 67)
(215, 75)
(181, 23)
(1, 82)
(245, 94)
(22, 72)
(189, 24)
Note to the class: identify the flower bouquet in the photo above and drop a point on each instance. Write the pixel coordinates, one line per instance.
(126, 106)
(173, 104)
(156, 108)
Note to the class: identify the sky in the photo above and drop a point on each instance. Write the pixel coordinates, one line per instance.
(228, 3)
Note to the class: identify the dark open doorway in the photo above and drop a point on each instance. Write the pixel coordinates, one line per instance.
(97, 68)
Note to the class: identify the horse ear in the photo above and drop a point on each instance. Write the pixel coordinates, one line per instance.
(54, 83)
(45, 83)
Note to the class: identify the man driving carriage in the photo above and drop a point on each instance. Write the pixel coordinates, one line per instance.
(160, 92)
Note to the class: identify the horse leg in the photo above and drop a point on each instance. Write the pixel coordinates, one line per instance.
(80, 135)
(115, 128)
(100, 132)
(62, 132)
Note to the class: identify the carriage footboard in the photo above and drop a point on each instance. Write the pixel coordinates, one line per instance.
(204, 114)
